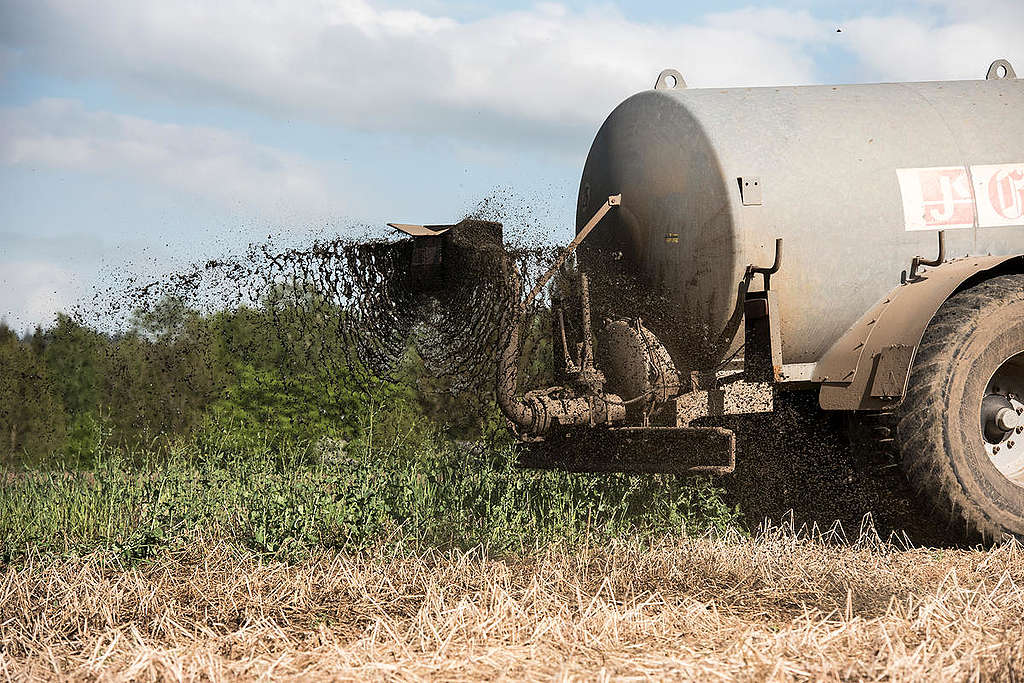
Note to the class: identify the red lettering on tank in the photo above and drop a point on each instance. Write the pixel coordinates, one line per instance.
(946, 195)
(1006, 193)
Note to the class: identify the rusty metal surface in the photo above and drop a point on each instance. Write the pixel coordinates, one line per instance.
(848, 370)
(826, 158)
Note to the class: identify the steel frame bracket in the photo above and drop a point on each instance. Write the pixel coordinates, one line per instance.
(750, 190)
(762, 355)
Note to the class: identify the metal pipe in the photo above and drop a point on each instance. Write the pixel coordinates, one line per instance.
(921, 261)
(587, 360)
(568, 361)
(771, 270)
(534, 414)
(514, 407)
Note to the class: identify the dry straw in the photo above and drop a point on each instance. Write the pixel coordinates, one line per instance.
(777, 607)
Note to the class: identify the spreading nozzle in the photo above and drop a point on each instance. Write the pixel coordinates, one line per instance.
(443, 256)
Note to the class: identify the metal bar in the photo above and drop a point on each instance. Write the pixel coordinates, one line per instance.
(569, 361)
(613, 200)
(587, 361)
(919, 261)
(769, 271)
(672, 450)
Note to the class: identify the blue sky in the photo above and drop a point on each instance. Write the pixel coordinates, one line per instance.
(137, 137)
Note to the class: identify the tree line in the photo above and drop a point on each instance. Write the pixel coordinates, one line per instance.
(67, 388)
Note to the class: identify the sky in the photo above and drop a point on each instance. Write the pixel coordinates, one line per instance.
(138, 136)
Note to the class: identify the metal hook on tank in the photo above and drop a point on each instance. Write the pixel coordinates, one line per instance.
(919, 261)
(769, 271)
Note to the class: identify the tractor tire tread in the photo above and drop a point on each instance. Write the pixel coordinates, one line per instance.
(921, 414)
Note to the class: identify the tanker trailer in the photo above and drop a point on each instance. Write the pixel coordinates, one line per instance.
(862, 241)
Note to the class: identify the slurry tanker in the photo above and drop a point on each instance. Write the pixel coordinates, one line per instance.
(865, 242)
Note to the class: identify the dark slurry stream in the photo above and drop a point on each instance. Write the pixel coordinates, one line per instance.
(361, 308)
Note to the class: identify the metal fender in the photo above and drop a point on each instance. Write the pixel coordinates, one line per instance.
(868, 367)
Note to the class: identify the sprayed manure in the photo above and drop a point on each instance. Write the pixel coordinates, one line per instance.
(356, 311)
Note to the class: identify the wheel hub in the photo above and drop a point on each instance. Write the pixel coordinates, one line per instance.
(1002, 419)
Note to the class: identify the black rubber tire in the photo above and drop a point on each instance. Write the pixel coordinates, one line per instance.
(938, 429)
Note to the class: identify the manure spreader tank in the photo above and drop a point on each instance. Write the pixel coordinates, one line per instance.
(861, 241)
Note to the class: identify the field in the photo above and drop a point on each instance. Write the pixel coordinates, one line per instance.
(774, 607)
(416, 558)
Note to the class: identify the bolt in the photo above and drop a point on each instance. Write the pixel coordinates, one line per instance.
(1006, 420)
(995, 449)
(1020, 429)
(1009, 444)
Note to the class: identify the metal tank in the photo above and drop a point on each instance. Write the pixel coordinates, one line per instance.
(710, 178)
(865, 242)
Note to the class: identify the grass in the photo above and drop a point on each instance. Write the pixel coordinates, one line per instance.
(774, 606)
(222, 557)
(290, 501)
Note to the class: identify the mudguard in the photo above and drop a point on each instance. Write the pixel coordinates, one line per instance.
(868, 367)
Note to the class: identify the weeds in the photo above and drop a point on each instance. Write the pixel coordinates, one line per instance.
(424, 491)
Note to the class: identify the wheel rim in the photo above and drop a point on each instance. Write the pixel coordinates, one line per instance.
(1002, 419)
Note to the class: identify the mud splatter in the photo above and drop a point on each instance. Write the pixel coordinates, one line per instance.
(362, 307)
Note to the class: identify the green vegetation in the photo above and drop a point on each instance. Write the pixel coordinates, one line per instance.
(255, 426)
(65, 389)
(413, 488)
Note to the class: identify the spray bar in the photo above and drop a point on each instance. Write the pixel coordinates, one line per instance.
(613, 200)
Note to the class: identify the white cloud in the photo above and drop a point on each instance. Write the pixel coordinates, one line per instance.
(536, 70)
(205, 162)
(32, 291)
(515, 75)
(961, 46)
(8, 60)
